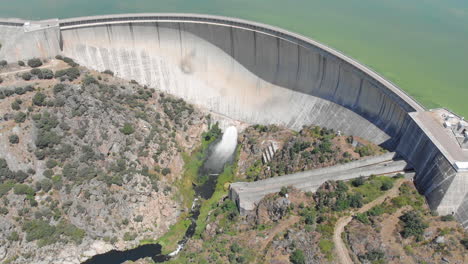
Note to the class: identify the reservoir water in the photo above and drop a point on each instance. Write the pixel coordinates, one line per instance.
(421, 45)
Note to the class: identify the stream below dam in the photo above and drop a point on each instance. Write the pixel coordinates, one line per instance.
(219, 154)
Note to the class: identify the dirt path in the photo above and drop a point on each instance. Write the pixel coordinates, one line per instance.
(51, 64)
(278, 229)
(340, 247)
(388, 228)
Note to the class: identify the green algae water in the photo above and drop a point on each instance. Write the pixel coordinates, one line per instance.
(421, 45)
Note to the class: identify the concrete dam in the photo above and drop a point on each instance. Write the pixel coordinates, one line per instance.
(258, 74)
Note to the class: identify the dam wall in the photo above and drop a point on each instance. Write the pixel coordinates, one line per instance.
(250, 73)
(22, 40)
(257, 74)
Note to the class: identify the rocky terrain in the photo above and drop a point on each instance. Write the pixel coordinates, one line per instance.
(269, 151)
(403, 230)
(87, 161)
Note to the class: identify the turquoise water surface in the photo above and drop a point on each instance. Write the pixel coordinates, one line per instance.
(421, 45)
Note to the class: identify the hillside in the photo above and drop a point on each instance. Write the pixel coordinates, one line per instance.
(87, 161)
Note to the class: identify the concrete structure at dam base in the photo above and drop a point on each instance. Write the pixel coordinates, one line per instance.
(260, 74)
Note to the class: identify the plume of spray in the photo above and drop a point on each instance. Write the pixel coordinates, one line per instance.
(222, 151)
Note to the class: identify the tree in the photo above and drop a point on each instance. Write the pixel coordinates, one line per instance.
(59, 88)
(14, 139)
(34, 63)
(297, 257)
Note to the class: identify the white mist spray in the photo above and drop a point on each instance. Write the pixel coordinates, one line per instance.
(222, 151)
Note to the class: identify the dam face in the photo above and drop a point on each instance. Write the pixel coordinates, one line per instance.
(257, 74)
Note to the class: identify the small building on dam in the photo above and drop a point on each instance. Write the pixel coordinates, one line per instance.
(260, 74)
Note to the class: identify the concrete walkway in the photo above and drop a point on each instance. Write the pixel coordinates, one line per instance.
(248, 194)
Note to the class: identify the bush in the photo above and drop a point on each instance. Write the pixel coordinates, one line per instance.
(14, 139)
(51, 164)
(166, 171)
(47, 139)
(34, 63)
(59, 88)
(38, 229)
(129, 236)
(20, 117)
(70, 74)
(26, 76)
(283, 191)
(3, 63)
(358, 181)
(21, 63)
(47, 74)
(39, 99)
(15, 105)
(356, 200)
(386, 185)
(447, 218)
(20, 90)
(23, 189)
(88, 79)
(362, 218)
(45, 185)
(413, 225)
(108, 72)
(127, 129)
(297, 257)
(464, 242)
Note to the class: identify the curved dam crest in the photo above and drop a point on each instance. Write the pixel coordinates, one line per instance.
(257, 74)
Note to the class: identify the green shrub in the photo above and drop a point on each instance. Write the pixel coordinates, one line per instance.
(166, 171)
(21, 63)
(39, 230)
(88, 79)
(47, 74)
(358, 181)
(3, 63)
(70, 74)
(20, 117)
(59, 88)
(362, 217)
(108, 72)
(127, 129)
(464, 242)
(23, 189)
(284, 190)
(34, 63)
(386, 185)
(51, 164)
(39, 99)
(26, 76)
(14, 139)
(413, 224)
(297, 257)
(129, 236)
(376, 210)
(447, 218)
(15, 105)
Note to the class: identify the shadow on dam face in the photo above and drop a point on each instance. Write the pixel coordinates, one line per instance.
(245, 74)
